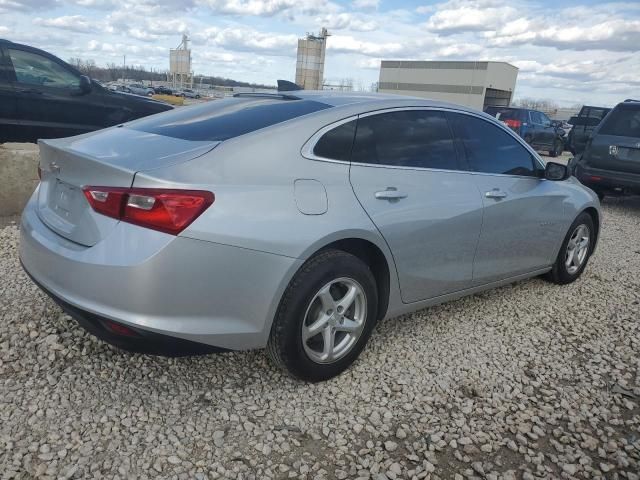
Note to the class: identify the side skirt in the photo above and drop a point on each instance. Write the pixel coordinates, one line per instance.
(412, 307)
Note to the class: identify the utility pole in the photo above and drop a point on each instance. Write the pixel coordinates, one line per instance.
(124, 66)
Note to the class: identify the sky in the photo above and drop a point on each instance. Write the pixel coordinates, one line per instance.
(570, 51)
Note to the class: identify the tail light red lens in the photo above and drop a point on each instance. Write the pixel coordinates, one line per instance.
(513, 123)
(169, 211)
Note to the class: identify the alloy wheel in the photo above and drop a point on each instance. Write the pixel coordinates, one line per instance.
(577, 249)
(334, 320)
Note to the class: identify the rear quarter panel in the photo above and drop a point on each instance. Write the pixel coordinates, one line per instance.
(252, 178)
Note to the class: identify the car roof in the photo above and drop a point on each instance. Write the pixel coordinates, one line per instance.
(361, 100)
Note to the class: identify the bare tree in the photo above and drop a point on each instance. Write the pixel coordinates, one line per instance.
(542, 104)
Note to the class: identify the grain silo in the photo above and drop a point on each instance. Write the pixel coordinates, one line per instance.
(310, 63)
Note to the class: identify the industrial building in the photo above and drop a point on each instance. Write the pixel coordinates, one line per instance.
(473, 84)
(310, 62)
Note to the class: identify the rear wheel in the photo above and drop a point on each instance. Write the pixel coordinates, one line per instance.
(575, 251)
(325, 317)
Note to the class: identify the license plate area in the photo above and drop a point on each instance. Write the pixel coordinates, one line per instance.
(66, 201)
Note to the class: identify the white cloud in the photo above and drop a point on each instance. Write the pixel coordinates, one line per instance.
(347, 21)
(365, 4)
(73, 23)
(456, 17)
(243, 39)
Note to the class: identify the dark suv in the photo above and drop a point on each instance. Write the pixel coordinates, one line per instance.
(533, 126)
(43, 97)
(610, 163)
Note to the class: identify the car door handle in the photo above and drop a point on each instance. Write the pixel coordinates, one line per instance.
(497, 194)
(391, 193)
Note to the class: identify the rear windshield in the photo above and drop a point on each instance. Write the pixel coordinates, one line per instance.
(506, 113)
(221, 120)
(624, 121)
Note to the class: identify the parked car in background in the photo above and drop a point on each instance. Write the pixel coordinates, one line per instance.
(140, 89)
(294, 222)
(583, 125)
(162, 90)
(188, 93)
(610, 162)
(533, 126)
(42, 96)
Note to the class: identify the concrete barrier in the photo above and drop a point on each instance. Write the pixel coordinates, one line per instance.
(18, 176)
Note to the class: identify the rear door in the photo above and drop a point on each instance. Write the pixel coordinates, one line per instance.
(9, 129)
(538, 131)
(616, 146)
(50, 102)
(523, 213)
(406, 173)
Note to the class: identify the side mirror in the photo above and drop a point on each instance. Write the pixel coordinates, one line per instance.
(556, 171)
(85, 84)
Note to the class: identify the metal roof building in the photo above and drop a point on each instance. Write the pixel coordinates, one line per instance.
(473, 84)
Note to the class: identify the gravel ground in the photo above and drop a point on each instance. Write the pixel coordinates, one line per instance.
(527, 381)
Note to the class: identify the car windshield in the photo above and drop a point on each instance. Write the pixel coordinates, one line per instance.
(225, 119)
(624, 121)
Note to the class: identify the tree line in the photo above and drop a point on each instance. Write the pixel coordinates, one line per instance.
(112, 72)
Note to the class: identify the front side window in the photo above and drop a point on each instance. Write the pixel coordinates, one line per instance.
(34, 69)
(410, 138)
(489, 149)
(336, 143)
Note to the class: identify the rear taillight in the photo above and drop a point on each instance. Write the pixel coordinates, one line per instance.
(169, 211)
(513, 123)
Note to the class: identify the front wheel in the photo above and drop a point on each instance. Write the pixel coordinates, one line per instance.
(575, 251)
(557, 148)
(325, 317)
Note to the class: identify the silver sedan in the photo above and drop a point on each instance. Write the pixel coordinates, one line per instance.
(294, 222)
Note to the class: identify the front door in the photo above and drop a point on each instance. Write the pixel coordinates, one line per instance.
(406, 174)
(523, 213)
(50, 102)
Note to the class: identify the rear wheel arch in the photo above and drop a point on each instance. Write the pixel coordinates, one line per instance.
(373, 256)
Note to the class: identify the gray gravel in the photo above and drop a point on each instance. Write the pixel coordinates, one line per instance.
(527, 381)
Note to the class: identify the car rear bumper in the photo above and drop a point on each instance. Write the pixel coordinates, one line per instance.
(607, 180)
(159, 285)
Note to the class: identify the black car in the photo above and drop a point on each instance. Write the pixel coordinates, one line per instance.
(43, 97)
(533, 126)
(610, 163)
(584, 124)
(162, 90)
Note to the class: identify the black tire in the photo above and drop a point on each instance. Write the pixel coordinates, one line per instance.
(556, 150)
(528, 139)
(285, 345)
(560, 274)
(600, 194)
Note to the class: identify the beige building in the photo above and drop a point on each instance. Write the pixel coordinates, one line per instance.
(473, 84)
(310, 63)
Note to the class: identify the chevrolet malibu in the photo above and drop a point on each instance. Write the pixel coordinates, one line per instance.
(294, 222)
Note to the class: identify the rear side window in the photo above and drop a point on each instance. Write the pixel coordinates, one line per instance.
(489, 149)
(624, 121)
(412, 138)
(336, 143)
(224, 119)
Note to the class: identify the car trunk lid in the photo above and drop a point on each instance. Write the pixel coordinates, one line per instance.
(110, 158)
